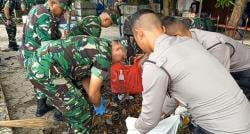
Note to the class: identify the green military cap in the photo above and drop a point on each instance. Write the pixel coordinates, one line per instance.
(130, 46)
(115, 18)
(65, 4)
(114, 15)
(131, 49)
(124, 43)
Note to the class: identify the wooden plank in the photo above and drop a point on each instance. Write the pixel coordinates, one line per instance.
(4, 115)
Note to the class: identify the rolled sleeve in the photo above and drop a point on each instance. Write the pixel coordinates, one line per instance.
(169, 106)
(154, 94)
(99, 73)
(101, 66)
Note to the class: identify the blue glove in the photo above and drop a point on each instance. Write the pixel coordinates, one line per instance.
(102, 108)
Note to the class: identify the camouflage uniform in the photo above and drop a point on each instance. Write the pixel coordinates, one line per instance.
(41, 26)
(11, 29)
(90, 25)
(57, 63)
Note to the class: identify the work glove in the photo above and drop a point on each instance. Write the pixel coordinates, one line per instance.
(102, 108)
(130, 123)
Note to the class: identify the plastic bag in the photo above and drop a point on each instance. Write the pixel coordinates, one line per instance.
(126, 78)
(166, 126)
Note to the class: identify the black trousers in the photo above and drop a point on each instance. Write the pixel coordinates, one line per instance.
(196, 129)
(243, 79)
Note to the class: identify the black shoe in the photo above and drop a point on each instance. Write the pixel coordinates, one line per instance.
(13, 46)
(42, 107)
(58, 116)
(71, 131)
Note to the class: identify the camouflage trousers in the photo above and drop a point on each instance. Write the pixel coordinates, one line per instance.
(39, 94)
(11, 30)
(67, 99)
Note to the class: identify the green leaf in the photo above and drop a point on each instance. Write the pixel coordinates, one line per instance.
(224, 3)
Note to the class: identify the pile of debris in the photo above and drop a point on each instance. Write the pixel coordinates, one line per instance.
(119, 107)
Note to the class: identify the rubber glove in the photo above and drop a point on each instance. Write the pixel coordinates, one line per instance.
(102, 108)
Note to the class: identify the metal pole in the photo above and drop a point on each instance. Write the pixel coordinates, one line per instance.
(199, 14)
(69, 21)
(245, 30)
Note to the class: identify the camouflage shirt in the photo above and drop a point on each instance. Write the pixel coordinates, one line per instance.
(90, 25)
(77, 57)
(40, 26)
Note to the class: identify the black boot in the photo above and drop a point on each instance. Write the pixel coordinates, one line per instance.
(42, 107)
(58, 116)
(13, 46)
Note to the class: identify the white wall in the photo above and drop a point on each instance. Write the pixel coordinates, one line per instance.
(184, 5)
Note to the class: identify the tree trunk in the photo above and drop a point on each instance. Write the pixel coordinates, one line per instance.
(166, 7)
(173, 7)
(235, 16)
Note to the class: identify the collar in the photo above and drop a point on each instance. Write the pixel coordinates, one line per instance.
(46, 5)
(194, 35)
(99, 20)
(159, 48)
(159, 40)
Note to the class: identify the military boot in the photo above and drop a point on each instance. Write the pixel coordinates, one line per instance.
(13, 46)
(58, 116)
(42, 107)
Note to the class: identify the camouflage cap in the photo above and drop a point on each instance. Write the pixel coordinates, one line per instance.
(115, 18)
(124, 43)
(131, 51)
(65, 4)
(130, 46)
(114, 15)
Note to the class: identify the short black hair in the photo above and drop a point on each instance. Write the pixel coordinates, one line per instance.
(138, 14)
(169, 21)
(108, 11)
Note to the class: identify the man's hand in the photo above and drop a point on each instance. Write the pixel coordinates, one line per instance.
(102, 108)
(8, 22)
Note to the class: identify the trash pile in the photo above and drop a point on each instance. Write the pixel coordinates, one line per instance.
(119, 107)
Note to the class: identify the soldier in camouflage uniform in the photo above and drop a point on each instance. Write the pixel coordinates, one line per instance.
(92, 25)
(85, 59)
(42, 25)
(9, 21)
